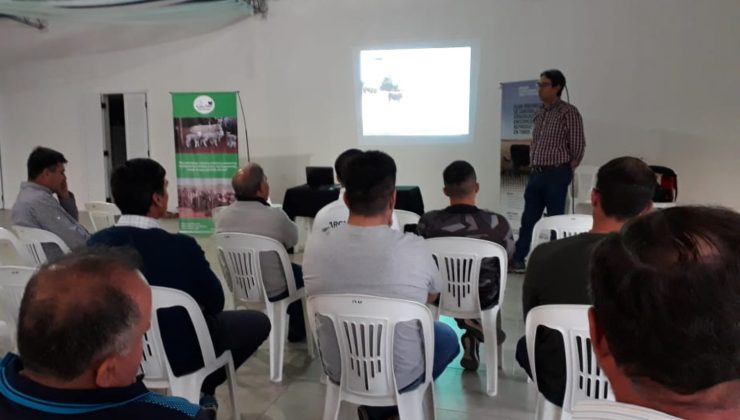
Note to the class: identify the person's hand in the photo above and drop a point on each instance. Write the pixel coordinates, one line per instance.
(573, 164)
(63, 191)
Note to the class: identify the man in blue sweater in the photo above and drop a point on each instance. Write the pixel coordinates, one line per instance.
(171, 260)
(80, 330)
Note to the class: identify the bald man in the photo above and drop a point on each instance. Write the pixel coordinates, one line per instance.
(80, 330)
(251, 213)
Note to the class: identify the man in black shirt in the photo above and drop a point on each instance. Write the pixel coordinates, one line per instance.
(462, 218)
(80, 336)
(558, 271)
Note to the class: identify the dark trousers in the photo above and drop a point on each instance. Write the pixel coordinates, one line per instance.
(242, 332)
(545, 190)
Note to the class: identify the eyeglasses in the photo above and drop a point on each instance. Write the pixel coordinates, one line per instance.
(545, 84)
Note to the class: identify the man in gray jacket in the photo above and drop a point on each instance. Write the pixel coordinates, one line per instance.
(36, 206)
(251, 213)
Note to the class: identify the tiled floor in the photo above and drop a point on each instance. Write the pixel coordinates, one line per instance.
(460, 395)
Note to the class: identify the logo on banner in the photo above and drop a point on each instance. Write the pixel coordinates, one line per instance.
(204, 104)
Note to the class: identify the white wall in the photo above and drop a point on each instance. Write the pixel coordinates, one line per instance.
(655, 79)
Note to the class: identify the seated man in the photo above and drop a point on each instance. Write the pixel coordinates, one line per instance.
(365, 256)
(36, 206)
(251, 213)
(173, 260)
(463, 218)
(664, 321)
(80, 335)
(557, 272)
(336, 213)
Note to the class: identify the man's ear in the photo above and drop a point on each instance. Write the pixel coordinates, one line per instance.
(477, 187)
(344, 198)
(105, 374)
(598, 339)
(595, 199)
(445, 192)
(393, 200)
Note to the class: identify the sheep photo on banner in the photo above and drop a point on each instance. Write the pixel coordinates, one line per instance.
(206, 154)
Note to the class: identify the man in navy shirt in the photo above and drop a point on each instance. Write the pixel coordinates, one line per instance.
(173, 260)
(80, 332)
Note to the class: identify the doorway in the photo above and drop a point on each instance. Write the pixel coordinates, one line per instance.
(125, 131)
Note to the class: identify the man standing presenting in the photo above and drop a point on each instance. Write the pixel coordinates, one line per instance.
(558, 144)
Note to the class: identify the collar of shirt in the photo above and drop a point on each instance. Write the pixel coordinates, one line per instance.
(462, 208)
(255, 199)
(589, 409)
(34, 186)
(142, 222)
(553, 105)
(25, 392)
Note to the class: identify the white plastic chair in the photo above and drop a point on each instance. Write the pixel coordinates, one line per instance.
(563, 225)
(459, 261)
(365, 326)
(22, 255)
(239, 255)
(155, 366)
(405, 217)
(34, 239)
(102, 214)
(13, 281)
(584, 181)
(584, 379)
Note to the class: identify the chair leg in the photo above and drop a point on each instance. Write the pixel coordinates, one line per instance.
(332, 402)
(415, 405)
(231, 373)
(547, 410)
(488, 319)
(309, 335)
(277, 315)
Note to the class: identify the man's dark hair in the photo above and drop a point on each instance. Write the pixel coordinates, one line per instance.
(134, 183)
(73, 314)
(459, 177)
(246, 187)
(557, 79)
(43, 158)
(626, 186)
(340, 164)
(370, 182)
(666, 293)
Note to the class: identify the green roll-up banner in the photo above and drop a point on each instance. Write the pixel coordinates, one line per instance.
(206, 154)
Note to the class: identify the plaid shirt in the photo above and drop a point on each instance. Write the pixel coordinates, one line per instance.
(557, 137)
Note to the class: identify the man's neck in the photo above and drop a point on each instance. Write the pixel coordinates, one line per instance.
(466, 201)
(551, 102)
(606, 225)
(719, 402)
(84, 381)
(367, 221)
(153, 215)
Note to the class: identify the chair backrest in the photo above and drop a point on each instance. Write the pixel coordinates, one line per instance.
(364, 327)
(34, 239)
(563, 225)
(406, 217)
(8, 238)
(102, 214)
(239, 256)
(13, 281)
(154, 363)
(584, 378)
(584, 180)
(459, 262)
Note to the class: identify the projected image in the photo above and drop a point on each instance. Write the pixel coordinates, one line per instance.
(415, 92)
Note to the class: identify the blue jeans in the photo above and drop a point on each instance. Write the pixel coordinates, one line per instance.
(446, 349)
(545, 190)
